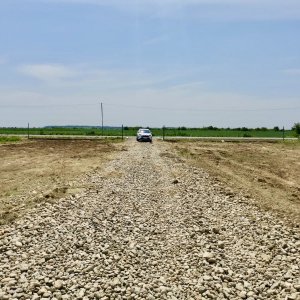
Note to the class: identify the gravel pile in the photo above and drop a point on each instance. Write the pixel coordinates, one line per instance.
(149, 227)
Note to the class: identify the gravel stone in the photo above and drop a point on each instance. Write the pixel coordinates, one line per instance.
(130, 231)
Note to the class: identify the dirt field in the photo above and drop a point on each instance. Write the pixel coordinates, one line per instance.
(269, 172)
(42, 170)
(147, 224)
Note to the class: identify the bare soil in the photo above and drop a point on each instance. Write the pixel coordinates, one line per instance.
(149, 225)
(43, 170)
(267, 172)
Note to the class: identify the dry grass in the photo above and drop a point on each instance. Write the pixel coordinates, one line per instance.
(42, 170)
(267, 172)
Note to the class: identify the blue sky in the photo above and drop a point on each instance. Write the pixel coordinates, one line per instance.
(152, 63)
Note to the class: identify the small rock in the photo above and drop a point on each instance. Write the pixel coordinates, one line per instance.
(163, 289)
(297, 287)
(221, 244)
(243, 294)
(115, 282)
(266, 257)
(18, 244)
(42, 290)
(239, 286)
(250, 294)
(207, 278)
(58, 284)
(24, 268)
(81, 293)
(209, 257)
(293, 296)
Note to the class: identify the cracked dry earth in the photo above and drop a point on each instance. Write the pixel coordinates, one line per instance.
(149, 226)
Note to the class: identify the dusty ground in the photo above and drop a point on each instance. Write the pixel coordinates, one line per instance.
(38, 170)
(146, 224)
(269, 172)
(44, 169)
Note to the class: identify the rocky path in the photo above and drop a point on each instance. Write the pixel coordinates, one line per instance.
(149, 227)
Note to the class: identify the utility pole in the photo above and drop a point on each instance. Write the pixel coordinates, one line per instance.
(102, 117)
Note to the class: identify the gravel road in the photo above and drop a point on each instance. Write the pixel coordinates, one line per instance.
(149, 226)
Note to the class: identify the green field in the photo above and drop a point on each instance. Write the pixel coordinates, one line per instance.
(131, 131)
(198, 132)
(9, 139)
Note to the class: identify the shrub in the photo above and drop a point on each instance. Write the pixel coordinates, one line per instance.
(296, 128)
(91, 132)
(247, 135)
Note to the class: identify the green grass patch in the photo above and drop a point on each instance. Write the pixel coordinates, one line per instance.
(171, 132)
(9, 139)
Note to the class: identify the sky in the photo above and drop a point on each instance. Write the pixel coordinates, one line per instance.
(194, 63)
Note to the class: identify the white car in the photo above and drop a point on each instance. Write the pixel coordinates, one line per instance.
(144, 135)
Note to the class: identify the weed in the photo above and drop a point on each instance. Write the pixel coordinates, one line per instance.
(9, 139)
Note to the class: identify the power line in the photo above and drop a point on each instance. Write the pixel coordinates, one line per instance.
(202, 109)
(47, 105)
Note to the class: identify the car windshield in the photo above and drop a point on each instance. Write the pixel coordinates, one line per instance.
(145, 131)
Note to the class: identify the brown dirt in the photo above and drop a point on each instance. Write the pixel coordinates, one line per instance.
(267, 172)
(42, 170)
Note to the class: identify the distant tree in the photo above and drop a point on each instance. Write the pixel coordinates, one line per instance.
(296, 128)
(276, 128)
(245, 129)
(211, 128)
(182, 128)
(263, 128)
(126, 128)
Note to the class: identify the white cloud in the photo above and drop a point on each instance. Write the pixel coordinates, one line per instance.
(47, 72)
(72, 95)
(140, 101)
(88, 77)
